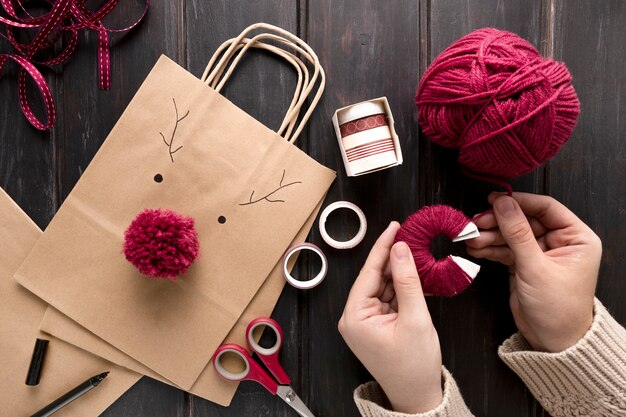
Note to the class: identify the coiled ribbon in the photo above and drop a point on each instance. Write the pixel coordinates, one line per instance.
(64, 16)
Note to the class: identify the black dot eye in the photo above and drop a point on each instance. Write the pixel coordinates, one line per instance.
(221, 219)
(158, 178)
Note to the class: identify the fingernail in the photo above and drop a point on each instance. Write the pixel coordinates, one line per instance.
(506, 206)
(401, 251)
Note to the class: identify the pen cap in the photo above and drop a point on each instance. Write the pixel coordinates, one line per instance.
(36, 362)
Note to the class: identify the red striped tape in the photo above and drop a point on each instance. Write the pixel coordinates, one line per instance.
(372, 148)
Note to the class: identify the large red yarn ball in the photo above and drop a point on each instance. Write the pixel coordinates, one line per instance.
(161, 243)
(493, 97)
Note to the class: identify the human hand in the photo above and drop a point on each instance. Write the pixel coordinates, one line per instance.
(553, 260)
(387, 325)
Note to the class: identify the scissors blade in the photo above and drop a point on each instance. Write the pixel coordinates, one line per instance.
(290, 397)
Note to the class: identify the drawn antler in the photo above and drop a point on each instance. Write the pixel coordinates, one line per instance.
(267, 196)
(171, 142)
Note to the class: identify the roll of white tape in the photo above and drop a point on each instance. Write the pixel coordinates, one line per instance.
(349, 244)
(359, 110)
(305, 285)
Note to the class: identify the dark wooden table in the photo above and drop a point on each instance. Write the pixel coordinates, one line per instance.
(368, 48)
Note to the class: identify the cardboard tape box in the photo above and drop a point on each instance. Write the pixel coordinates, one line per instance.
(367, 138)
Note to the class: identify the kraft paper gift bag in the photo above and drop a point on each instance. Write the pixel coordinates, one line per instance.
(209, 385)
(180, 145)
(65, 366)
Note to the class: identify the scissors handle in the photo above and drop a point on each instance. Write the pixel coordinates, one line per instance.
(252, 372)
(269, 356)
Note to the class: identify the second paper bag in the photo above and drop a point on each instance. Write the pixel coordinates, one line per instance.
(182, 146)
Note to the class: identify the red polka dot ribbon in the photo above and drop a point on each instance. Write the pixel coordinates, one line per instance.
(64, 16)
(364, 123)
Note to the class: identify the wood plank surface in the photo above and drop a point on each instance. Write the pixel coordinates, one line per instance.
(369, 49)
(589, 175)
(87, 115)
(473, 325)
(263, 86)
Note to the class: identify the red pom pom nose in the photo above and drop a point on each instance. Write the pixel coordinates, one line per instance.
(161, 243)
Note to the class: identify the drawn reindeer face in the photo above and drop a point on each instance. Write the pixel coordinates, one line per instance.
(160, 237)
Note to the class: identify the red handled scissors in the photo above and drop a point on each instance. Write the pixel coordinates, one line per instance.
(254, 372)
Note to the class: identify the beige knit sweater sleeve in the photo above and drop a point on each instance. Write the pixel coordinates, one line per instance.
(588, 379)
(372, 402)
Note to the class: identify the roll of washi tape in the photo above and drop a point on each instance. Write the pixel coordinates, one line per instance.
(360, 110)
(349, 244)
(366, 137)
(304, 285)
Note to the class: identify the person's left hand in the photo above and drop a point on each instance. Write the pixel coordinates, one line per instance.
(387, 325)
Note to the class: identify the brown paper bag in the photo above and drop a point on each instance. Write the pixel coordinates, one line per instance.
(65, 366)
(209, 385)
(230, 167)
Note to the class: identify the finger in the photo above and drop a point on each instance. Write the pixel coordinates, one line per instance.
(379, 255)
(406, 283)
(542, 242)
(369, 280)
(512, 282)
(486, 238)
(386, 308)
(547, 210)
(502, 254)
(485, 221)
(388, 292)
(516, 231)
(494, 237)
(394, 303)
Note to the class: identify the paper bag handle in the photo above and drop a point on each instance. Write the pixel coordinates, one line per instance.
(239, 45)
(292, 114)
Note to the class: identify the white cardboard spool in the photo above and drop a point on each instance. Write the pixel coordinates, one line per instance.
(469, 232)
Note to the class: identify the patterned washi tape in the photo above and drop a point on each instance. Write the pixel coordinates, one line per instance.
(317, 280)
(366, 136)
(349, 244)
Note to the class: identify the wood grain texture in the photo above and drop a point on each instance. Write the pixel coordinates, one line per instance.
(589, 175)
(27, 156)
(263, 86)
(473, 325)
(369, 49)
(133, 55)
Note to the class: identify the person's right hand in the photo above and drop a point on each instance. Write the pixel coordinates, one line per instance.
(553, 258)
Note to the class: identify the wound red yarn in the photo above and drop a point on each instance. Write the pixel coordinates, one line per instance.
(161, 243)
(493, 97)
(440, 277)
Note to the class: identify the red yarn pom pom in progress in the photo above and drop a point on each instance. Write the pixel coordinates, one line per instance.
(440, 277)
(492, 96)
(161, 243)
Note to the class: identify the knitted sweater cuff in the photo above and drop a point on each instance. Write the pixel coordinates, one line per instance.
(588, 379)
(372, 401)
